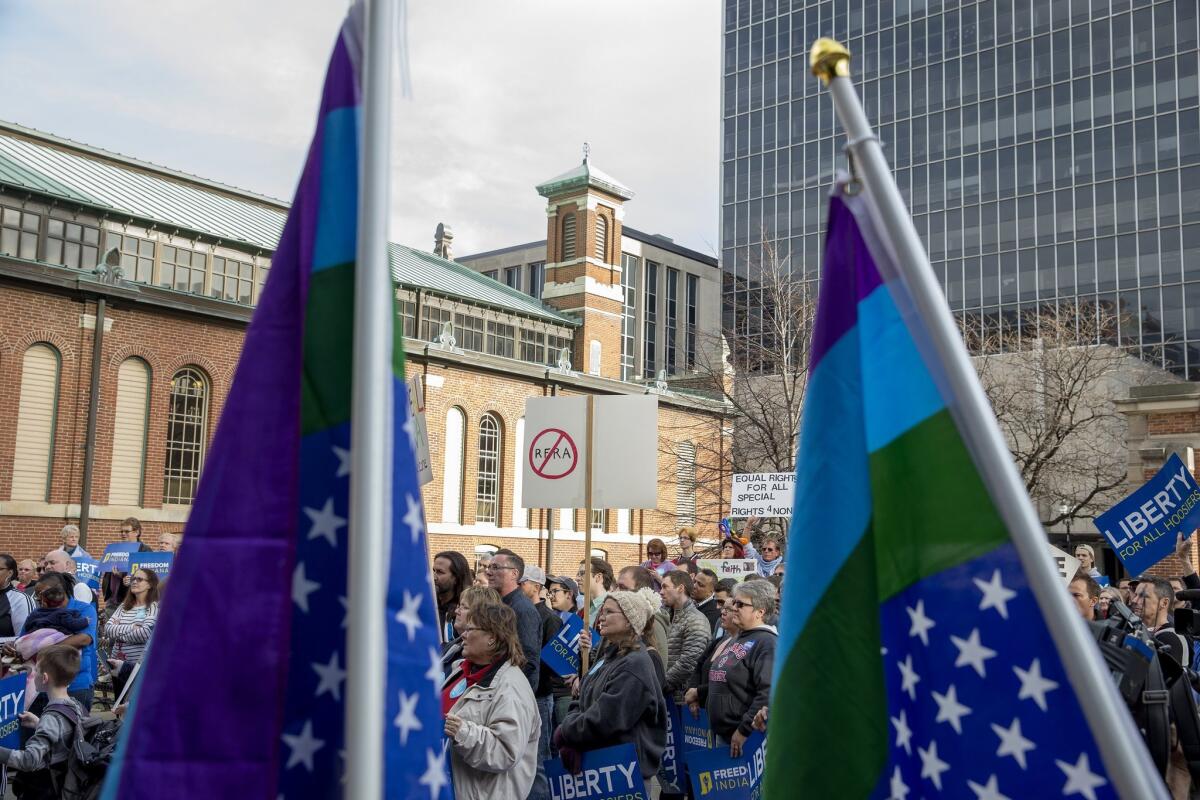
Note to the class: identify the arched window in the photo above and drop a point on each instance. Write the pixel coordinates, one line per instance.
(129, 433)
(601, 237)
(487, 487)
(568, 238)
(452, 469)
(37, 412)
(520, 517)
(187, 413)
(685, 484)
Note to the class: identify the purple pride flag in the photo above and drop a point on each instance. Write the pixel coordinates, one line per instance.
(242, 694)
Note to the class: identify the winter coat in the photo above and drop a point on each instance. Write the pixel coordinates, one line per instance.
(494, 754)
(687, 637)
(739, 681)
(765, 568)
(620, 701)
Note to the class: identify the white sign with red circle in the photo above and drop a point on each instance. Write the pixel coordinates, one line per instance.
(553, 454)
(554, 450)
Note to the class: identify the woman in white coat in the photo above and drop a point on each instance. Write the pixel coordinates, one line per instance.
(491, 715)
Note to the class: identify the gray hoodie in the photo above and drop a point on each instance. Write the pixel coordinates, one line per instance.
(50, 743)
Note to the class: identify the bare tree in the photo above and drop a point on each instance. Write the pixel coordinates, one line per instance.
(1052, 381)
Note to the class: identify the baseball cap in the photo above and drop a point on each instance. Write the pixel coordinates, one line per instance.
(567, 583)
(535, 574)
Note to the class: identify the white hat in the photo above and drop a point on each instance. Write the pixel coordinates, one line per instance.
(638, 607)
(534, 574)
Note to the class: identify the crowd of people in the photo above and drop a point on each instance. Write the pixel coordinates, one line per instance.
(662, 632)
(70, 640)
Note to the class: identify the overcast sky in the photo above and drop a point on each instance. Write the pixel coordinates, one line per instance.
(504, 95)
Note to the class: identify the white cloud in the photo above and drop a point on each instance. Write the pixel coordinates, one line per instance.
(504, 95)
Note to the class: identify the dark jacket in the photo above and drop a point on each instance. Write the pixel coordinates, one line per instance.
(550, 625)
(739, 682)
(620, 701)
(711, 612)
(529, 631)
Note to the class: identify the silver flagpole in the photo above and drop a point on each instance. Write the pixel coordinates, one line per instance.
(371, 420)
(1129, 765)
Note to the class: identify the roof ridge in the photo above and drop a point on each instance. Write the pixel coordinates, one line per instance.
(91, 150)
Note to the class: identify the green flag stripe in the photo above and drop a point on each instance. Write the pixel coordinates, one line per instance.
(328, 349)
(930, 510)
(829, 722)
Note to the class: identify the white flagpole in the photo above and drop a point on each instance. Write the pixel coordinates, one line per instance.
(371, 420)
(1128, 764)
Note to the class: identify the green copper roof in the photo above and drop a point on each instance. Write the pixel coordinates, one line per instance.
(584, 175)
(47, 165)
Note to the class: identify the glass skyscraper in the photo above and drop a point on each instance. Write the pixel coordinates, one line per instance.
(1049, 152)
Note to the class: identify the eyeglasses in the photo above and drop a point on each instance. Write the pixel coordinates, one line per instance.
(557, 590)
(770, 549)
(496, 567)
(138, 580)
(126, 531)
(740, 604)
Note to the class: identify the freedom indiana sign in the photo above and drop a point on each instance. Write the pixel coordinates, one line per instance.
(1142, 527)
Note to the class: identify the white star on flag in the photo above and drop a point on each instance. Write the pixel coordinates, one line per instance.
(1033, 685)
(325, 523)
(434, 674)
(949, 709)
(920, 623)
(409, 616)
(435, 773)
(407, 720)
(331, 677)
(1012, 743)
(1080, 778)
(995, 594)
(302, 587)
(908, 677)
(898, 788)
(413, 518)
(304, 747)
(971, 651)
(411, 429)
(903, 732)
(988, 791)
(932, 767)
(343, 456)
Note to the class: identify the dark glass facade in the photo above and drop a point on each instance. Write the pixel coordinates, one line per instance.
(1049, 152)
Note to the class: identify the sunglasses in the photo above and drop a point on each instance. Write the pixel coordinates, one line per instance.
(740, 604)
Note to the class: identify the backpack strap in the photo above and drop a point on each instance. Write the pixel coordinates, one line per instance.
(68, 712)
(1155, 698)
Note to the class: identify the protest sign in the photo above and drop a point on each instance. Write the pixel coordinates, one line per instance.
(553, 452)
(87, 571)
(736, 568)
(561, 654)
(1142, 527)
(716, 775)
(763, 494)
(694, 730)
(159, 562)
(1066, 564)
(116, 556)
(12, 703)
(609, 774)
(671, 768)
(418, 431)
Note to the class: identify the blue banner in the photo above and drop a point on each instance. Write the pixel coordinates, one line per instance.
(609, 774)
(671, 768)
(159, 562)
(716, 775)
(561, 654)
(1142, 527)
(116, 556)
(12, 703)
(87, 571)
(694, 731)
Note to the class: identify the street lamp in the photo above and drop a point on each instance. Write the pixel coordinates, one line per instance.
(1063, 509)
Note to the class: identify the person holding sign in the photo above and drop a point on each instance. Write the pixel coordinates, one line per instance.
(492, 719)
(739, 681)
(621, 699)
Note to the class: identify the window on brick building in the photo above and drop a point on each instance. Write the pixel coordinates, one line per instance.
(232, 280)
(129, 433)
(601, 237)
(501, 339)
(487, 487)
(533, 346)
(183, 269)
(187, 414)
(512, 278)
(599, 519)
(452, 469)
(432, 319)
(520, 516)
(37, 409)
(568, 237)
(137, 255)
(19, 233)
(408, 317)
(685, 484)
(555, 346)
(469, 332)
(72, 244)
(537, 278)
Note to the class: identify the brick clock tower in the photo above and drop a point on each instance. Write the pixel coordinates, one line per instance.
(584, 209)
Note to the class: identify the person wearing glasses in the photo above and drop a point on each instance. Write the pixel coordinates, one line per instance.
(114, 585)
(739, 680)
(491, 716)
(657, 562)
(504, 575)
(130, 626)
(771, 555)
(14, 604)
(472, 598)
(730, 626)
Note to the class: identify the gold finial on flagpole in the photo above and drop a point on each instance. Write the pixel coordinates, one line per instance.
(829, 60)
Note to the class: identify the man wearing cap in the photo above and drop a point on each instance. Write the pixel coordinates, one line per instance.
(1087, 559)
(533, 583)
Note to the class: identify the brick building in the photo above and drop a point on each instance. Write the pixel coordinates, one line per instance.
(159, 271)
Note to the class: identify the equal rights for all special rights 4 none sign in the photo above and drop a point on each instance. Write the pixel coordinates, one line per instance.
(1142, 528)
(763, 495)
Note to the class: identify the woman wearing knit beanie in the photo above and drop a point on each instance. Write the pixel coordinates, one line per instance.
(621, 698)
